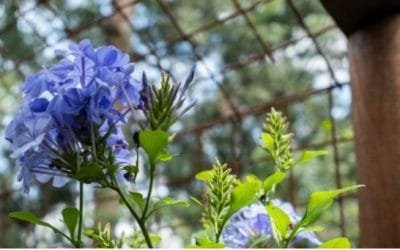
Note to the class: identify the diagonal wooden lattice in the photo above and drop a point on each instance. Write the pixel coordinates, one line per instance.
(237, 114)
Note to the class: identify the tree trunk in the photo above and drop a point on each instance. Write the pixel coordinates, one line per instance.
(374, 54)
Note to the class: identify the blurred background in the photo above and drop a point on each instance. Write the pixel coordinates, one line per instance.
(250, 55)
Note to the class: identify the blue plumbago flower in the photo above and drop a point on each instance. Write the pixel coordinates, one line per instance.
(250, 226)
(68, 108)
(247, 225)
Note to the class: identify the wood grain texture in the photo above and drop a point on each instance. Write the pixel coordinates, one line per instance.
(374, 55)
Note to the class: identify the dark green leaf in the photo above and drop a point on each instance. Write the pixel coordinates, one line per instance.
(154, 142)
(31, 218)
(137, 198)
(90, 173)
(340, 242)
(70, 217)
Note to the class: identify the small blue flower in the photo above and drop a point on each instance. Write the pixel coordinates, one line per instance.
(246, 225)
(39, 105)
(29, 133)
(252, 223)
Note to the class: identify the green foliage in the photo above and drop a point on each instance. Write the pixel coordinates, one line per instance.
(276, 141)
(205, 175)
(71, 217)
(205, 239)
(165, 103)
(138, 241)
(280, 222)
(89, 173)
(271, 181)
(340, 242)
(102, 237)
(32, 218)
(219, 196)
(320, 201)
(137, 198)
(308, 155)
(154, 143)
(244, 194)
(166, 202)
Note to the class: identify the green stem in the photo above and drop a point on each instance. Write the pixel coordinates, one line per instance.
(146, 206)
(80, 214)
(136, 216)
(218, 234)
(292, 234)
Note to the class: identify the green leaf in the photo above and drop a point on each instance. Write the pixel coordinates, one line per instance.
(89, 233)
(311, 229)
(154, 142)
(273, 180)
(280, 220)
(207, 244)
(205, 175)
(70, 217)
(340, 242)
(321, 201)
(137, 198)
(267, 141)
(165, 156)
(253, 178)
(89, 173)
(155, 239)
(309, 154)
(31, 218)
(244, 194)
(203, 240)
(195, 200)
(169, 201)
(166, 202)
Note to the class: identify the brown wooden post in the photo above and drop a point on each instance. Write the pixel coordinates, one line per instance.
(374, 54)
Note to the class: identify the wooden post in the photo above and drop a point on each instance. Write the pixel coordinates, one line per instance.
(374, 54)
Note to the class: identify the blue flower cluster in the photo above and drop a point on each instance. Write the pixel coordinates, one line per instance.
(67, 107)
(247, 225)
(250, 224)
